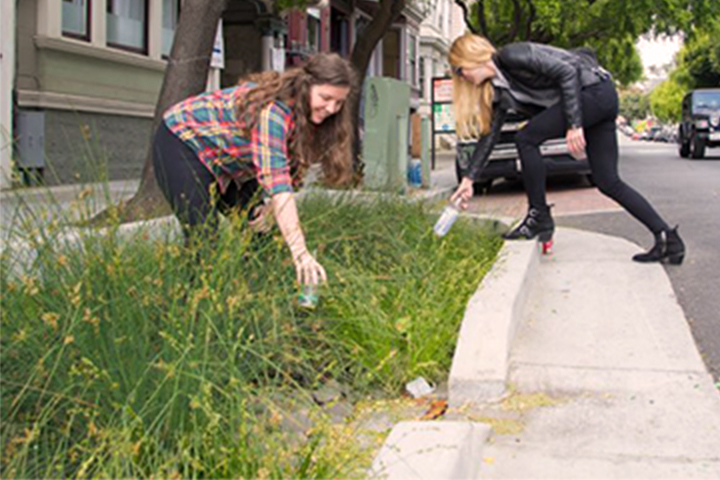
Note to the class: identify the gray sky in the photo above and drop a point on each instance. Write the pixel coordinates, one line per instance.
(658, 51)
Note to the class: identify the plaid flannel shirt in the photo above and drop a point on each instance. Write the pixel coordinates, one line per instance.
(209, 124)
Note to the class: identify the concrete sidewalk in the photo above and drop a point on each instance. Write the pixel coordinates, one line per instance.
(613, 385)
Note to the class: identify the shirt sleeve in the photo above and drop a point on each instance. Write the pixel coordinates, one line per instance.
(270, 151)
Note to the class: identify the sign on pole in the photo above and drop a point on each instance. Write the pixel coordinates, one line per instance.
(443, 117)
(218, 53)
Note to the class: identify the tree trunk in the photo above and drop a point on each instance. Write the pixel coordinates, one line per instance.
(388, 12)
(466, 16)
(186, 75)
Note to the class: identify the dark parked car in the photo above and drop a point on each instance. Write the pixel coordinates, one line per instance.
(700, 124)
(505, 163)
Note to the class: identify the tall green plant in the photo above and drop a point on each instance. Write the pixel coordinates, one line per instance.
(138, 357)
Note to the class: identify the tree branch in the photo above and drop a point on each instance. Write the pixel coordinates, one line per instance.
(531, 18)
(517, 20)
(481, 19)
(466, 16)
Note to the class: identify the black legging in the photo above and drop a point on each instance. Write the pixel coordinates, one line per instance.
(599, 110)
(187, 185)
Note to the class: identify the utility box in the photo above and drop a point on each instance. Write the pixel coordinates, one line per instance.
(385, 145)
(30, 133)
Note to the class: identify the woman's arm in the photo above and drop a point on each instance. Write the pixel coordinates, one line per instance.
(285, 212)
(270, 157)
(486, 143)
(480, 156)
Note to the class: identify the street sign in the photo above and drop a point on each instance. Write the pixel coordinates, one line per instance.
(443, 117)
(218, 53)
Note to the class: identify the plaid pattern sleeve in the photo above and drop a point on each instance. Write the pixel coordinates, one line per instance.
(270, 150)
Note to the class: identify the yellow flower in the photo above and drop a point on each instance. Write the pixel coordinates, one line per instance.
(20, 336)
(69, 339)
(51, 319)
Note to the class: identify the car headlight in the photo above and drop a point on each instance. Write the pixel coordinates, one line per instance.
(715, 121)
(701, 124)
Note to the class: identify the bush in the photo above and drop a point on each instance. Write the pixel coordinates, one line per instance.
(140, 358)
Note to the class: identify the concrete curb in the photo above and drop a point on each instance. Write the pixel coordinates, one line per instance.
(480, 364)
(431, 450)
(479, 373)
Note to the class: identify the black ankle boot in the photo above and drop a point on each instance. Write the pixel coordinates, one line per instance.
(668, 247)
(537, 223)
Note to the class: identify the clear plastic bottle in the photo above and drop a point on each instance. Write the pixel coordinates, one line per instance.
(309, 293)
(449, 214)
(308, 297)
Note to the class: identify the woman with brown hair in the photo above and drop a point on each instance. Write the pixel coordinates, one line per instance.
(565, 93)
(223, 151)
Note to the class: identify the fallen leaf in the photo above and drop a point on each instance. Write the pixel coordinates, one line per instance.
(437, 409)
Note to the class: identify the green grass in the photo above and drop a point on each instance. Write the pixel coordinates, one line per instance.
(136, 359)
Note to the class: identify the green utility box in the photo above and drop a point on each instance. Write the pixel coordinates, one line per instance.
(385, 144)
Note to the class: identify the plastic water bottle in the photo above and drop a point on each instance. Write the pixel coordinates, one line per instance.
(308, 297)
(449, 214)
(309, 293)
(415, 173)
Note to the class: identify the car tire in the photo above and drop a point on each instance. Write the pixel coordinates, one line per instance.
(698, 148)
(590, 179)
(684, 150)
(482, 188)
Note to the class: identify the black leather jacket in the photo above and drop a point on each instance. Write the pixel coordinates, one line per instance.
(544, 74)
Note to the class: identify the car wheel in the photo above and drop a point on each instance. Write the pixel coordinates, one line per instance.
(698, 147)
(482, 188)
(684, 150)
(590, 179)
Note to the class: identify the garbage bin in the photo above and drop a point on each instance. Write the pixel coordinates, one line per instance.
(385, 145)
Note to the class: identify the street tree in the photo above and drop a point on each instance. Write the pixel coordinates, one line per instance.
(188, 67)
(666, 101)
(186, 74)
(610, 27)
(697, 66)
(634, 104)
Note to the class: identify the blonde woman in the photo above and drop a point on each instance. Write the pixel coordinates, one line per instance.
(219, 151)
(565, 93)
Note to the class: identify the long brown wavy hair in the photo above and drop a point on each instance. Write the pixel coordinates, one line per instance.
(472, 104)
(330, 143)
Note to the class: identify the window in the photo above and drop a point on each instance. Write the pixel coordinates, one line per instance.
(421, 66)
(76, 19)
(413, 60)
(127, 24)
(170, 17)
(313, 29)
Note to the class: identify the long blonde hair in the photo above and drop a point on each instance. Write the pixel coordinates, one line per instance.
(330, 143)
(472, 104)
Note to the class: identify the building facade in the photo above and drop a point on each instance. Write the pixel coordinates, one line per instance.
(78, 99)
(443, 24)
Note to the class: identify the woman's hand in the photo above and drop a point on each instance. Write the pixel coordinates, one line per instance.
(262, 220)
(463, 193)
(308, 269)
(576, 142)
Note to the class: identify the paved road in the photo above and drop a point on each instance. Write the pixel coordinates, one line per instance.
(685, 192)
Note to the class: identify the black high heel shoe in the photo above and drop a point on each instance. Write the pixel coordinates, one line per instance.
(668, 247)
(537, 223)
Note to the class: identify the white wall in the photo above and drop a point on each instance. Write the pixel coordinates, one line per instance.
(7, 73)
